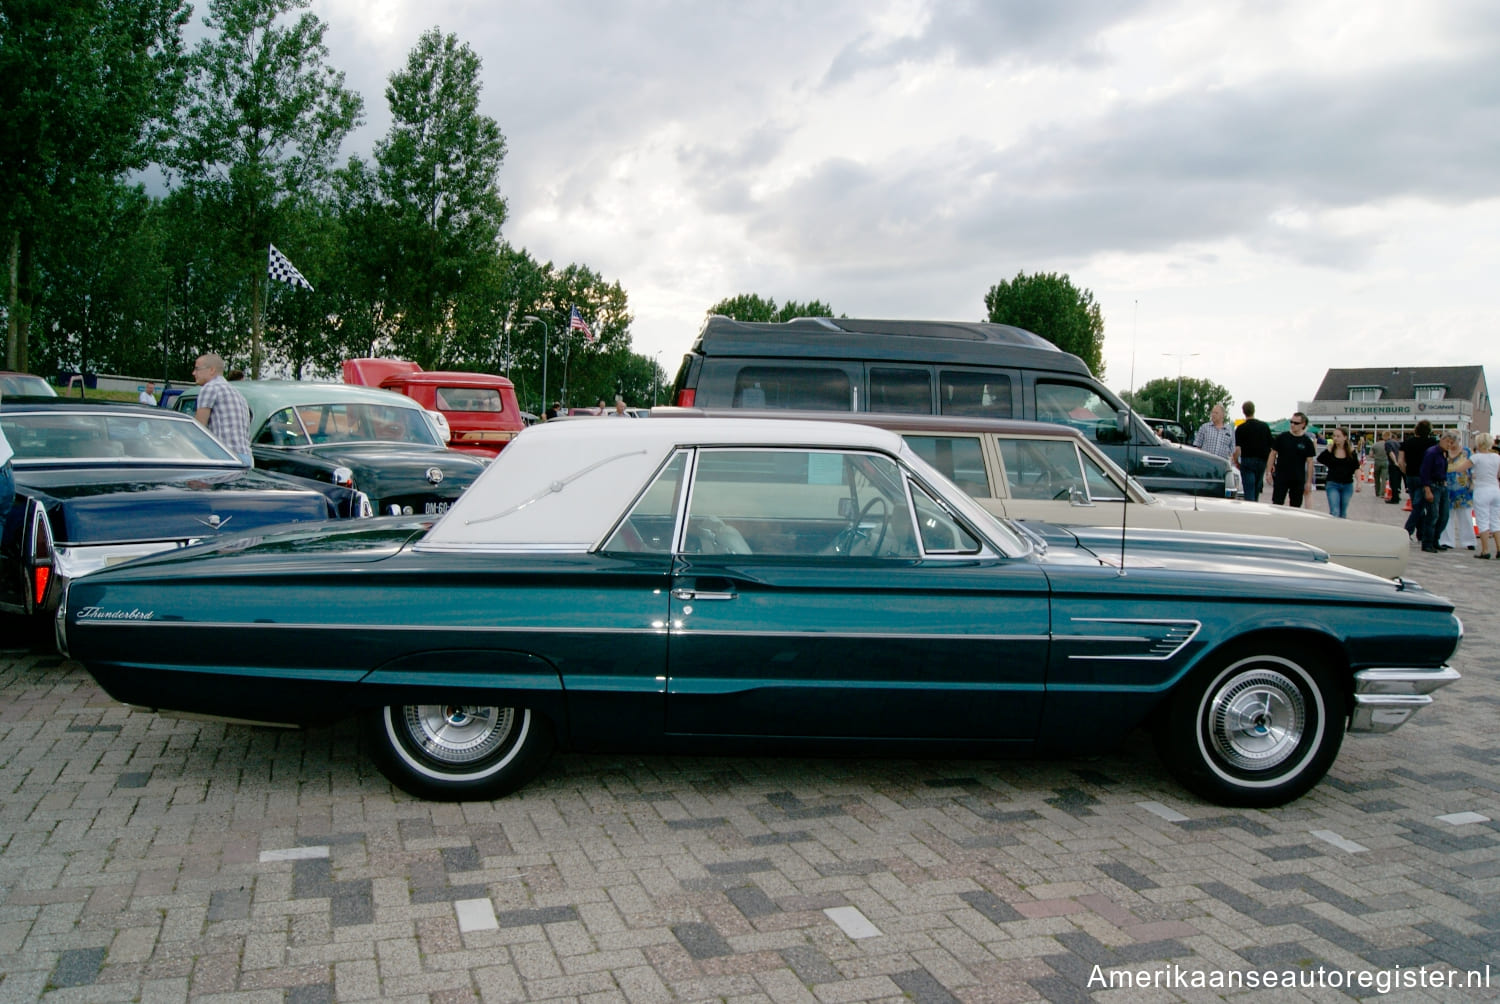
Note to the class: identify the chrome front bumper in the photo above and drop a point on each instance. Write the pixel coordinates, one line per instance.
(1385, 698)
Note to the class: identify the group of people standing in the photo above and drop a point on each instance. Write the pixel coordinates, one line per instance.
(1442, 476)
(1438, 472)
(1284, 461)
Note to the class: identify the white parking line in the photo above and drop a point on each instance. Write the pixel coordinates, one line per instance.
(1339, 842)
(295, 853)
(1166, 812)
(852, 922)
(475, 915)
(1460, 818)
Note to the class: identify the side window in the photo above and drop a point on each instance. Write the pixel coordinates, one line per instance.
(1076, 405)
(908, 391)
(961, 458)
(1102, 488)
(283, 429)
(648, 528)
(1041, 468)
(803, 503)
(965, 392)
(812, 387)
(941, 533)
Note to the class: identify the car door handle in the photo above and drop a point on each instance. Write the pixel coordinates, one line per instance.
(684, 593)
(1156, 461)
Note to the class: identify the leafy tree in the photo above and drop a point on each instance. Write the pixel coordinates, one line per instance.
(86, 86)
(1051, 306)
(101, 283)
(264, 120)
(753, 307)
(438, 178)
(1158, 399)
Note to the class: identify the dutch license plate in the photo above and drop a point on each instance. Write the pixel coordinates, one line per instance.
(435, 508)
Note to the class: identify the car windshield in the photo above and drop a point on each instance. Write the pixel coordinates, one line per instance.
(24, 384)
(55, 436)
(346, 422)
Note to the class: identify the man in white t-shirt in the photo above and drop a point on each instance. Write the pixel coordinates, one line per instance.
(148, 396)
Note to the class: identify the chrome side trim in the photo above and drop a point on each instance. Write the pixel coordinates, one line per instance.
(1169, 639)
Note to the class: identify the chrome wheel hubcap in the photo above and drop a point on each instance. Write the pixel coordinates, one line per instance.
(458, 734)
(1257, 719)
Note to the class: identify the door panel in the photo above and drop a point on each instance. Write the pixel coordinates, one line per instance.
(849, 632)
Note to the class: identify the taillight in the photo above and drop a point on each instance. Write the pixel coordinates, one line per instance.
(40, 576)
(686, 397)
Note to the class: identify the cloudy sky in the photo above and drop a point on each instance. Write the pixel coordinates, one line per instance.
(1280, 188)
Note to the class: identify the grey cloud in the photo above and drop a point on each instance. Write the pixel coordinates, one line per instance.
(977, 33)
(1197, 168)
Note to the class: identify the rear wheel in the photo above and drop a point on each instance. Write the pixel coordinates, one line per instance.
(458, 752)
(1254, 731)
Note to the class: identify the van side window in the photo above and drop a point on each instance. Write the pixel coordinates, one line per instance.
(908, 391)
(814, 388)
(964, 392)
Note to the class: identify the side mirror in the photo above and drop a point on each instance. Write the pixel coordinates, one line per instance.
(1117, 431)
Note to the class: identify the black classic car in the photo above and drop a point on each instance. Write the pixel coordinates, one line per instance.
(101, 483)
(376, 441)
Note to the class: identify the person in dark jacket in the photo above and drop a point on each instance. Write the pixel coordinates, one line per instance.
(1433, 475)
(1392, 451)
(1252, 447)
(1290, 468)
(1413, 449)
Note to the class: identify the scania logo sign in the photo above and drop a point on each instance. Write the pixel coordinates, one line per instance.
(434, 475)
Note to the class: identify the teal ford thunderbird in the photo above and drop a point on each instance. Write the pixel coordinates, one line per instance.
(725, 584)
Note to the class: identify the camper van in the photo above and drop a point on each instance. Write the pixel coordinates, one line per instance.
(930, 368)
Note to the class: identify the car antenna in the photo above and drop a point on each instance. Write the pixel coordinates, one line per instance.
(1130, 432)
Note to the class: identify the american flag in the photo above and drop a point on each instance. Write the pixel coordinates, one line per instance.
(577, 323)
(284, 271)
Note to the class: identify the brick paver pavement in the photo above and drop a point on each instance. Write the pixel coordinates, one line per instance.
(150, 859)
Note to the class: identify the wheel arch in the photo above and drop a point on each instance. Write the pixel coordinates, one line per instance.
(1305, 640)
(500, 677)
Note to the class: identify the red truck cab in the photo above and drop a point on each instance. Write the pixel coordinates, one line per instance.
(480, 408)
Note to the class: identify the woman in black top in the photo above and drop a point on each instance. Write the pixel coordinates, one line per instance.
(1342, 461)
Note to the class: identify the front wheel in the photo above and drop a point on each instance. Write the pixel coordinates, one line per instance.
(458, 752)
(1256, 731)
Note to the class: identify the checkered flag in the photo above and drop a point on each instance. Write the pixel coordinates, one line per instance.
(284, 271)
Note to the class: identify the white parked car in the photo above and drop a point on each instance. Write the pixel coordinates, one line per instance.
(1039, 471)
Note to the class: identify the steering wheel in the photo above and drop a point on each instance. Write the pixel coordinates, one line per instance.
(852, 534)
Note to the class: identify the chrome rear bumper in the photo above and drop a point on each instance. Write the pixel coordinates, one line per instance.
(1385, 698)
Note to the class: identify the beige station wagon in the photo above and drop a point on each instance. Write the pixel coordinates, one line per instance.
(1040, 471)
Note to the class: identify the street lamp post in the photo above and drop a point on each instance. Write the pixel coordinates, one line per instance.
(545, 332)
(1180, 357)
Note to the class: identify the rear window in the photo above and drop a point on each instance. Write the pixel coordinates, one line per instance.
(811, 387)
(468, 399)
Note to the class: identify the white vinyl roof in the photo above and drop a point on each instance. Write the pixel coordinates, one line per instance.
(560, 485)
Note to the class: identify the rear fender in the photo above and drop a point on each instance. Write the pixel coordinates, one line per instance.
(468, 676)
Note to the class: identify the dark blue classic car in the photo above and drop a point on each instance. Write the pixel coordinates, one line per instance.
(101, 483)
(376, 441)
(729, 584)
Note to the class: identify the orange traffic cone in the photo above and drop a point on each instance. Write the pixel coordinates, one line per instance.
(1406, 506)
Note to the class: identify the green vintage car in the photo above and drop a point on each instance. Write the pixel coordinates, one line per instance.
(375, 441)
(726, 584)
